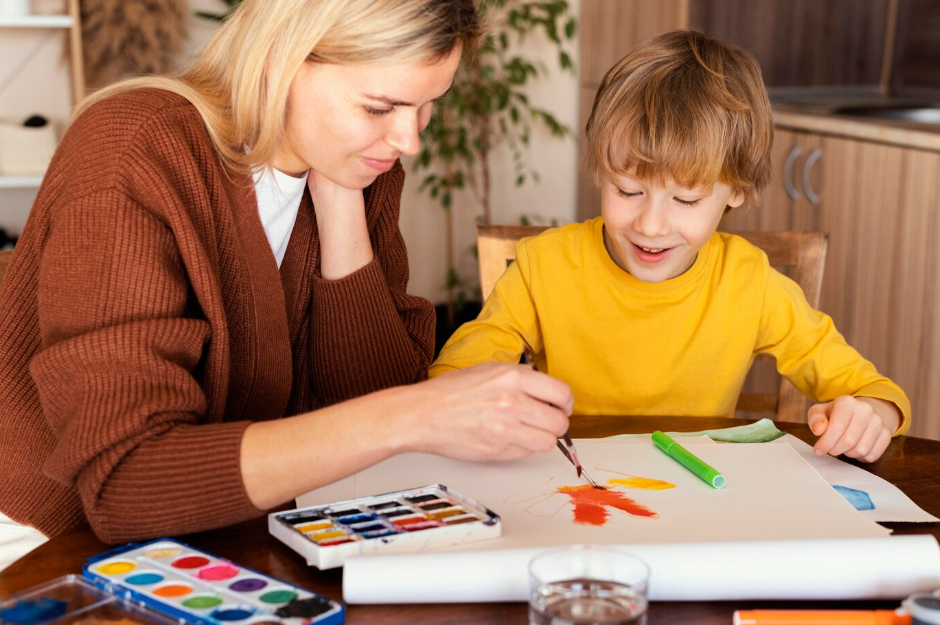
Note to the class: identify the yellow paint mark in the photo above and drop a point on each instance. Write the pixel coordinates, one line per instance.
(315, 527)
(116, 568)
(443, 514)
(325, 536)
(641, 483)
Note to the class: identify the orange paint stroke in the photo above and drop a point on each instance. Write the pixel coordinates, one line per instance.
(591, 505)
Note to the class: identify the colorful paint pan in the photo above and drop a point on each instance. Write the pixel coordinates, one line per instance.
(405, 521)
(199, 588)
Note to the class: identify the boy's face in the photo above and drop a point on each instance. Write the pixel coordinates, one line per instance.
(655, 232)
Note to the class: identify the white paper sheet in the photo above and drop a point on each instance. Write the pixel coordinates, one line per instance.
(890, 504)
(882, 568)
(772, 494)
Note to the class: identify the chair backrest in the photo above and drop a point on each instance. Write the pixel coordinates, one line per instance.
(4, 263)
(803, 252)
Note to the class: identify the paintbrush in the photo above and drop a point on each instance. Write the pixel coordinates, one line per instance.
(567, 448)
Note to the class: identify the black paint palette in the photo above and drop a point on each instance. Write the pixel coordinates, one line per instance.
(200, 588)
(400, 522)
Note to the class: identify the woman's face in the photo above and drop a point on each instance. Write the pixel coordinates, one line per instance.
(351, 122)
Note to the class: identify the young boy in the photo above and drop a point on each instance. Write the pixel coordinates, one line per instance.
(647, 309)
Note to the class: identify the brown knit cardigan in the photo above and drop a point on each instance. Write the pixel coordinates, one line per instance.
(144, 324)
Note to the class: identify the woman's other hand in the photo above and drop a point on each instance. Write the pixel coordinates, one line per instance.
(341, 221)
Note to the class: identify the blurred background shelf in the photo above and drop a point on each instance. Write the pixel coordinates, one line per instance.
(20, 182)
(37, 21)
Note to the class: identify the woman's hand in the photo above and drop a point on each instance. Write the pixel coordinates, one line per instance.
(493, 411)
(859, 427)
(341, 221)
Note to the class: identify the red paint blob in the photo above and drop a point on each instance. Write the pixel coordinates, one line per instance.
(191, 562)
(591, 505)
(426, 525)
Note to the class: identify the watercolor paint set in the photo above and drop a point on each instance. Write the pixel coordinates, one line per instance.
(400, 522)
(203, 589)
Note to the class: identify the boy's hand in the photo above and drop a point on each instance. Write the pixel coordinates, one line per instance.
(859, 427)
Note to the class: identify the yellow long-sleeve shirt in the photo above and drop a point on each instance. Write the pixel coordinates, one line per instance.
(678, 347)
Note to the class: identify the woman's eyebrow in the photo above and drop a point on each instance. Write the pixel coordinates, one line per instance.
(394, 102)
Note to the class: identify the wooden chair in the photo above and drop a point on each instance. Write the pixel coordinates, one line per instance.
(4, 263)
(803, 253)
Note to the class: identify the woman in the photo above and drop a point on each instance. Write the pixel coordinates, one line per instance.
(213, 252)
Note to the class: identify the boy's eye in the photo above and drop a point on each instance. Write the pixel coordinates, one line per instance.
(379, 112)
(688, 202)
(623, 193)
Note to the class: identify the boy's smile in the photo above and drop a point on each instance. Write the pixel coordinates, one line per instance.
(654, 232)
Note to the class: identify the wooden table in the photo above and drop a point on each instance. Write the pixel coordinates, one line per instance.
(912, 464)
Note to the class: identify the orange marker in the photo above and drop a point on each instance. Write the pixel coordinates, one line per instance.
(820, 617)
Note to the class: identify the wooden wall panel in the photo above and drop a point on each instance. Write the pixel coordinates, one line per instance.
(802, 42)
(883, 269)
(926, 414)
(917, 45)
(611, 28)
(914, 296)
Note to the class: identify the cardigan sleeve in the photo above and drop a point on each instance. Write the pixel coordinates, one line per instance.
(115, 377)
(813, 355)
(367, 333)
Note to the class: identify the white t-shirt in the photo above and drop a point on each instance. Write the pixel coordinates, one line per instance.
(279, 198)
(16, 540)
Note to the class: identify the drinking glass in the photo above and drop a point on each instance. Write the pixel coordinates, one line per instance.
(587, 585)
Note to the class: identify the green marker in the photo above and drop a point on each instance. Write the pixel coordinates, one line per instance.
(689, 460)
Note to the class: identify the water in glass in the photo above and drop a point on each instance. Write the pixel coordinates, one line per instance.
(587, 602)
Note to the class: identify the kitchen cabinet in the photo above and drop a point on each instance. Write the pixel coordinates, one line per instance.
(879, 204)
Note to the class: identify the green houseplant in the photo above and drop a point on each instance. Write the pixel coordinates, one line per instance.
(486, 108)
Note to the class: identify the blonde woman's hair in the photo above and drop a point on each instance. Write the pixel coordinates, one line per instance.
(240, 81)
(687, 108)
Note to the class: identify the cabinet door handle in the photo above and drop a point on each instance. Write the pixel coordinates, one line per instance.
(811, 195)
(794, 154)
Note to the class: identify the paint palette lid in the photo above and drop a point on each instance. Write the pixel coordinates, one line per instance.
(70, 600)
(405, 521)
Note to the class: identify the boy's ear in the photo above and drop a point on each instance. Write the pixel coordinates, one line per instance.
(736, 199)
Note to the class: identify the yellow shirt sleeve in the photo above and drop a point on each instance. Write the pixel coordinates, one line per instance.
(507, 322)
(813, 355)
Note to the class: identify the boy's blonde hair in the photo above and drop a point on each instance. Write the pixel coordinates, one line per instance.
(683, 107)
(240, 81)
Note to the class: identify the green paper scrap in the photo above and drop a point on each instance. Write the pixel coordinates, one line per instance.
(762, 431)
